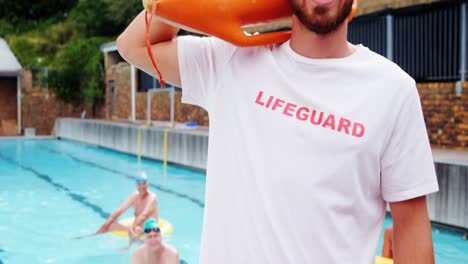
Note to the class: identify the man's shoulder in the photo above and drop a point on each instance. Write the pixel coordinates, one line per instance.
(153, 195)
(171, 250)
(139, 249)
(222, 47)
(387, 71)
(382, 63)
(138, 253)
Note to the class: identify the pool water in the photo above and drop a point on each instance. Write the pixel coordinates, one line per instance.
(53, 190)
(449, 246)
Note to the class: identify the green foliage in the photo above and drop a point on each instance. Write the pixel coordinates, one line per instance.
(17, 17)
(91, 18)
(13, 9)
(27, 50)
(6, 27)
(37, 48)
(77, 74)
(122, 12)
(61, 33)
(65, 36)
(105, 17)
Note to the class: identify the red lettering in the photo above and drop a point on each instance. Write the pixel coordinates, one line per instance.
(289, 107)
(278, 103)
(312, 118)
(344, 124)
(302, 117)
(270, 99)
(259, 96)
(358, 130)
(330, 121)
(315, 117)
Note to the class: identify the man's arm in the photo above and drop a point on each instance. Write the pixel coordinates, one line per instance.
(412, 237)
(124, 207)
(132, 46)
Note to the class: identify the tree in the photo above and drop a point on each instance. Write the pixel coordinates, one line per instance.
(77, 73)
(105, 17)
(12, 9)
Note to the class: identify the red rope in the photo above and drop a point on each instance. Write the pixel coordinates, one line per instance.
(148, 44)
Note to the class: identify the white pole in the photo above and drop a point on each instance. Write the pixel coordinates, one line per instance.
(132, 78)
(18, 90)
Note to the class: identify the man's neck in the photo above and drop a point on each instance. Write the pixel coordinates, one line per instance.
(315, 46)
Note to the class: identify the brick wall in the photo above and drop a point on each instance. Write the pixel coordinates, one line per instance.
(39, 109)
(446, 115)
(8, 101)
(8, 107)
(370, 6)
(120, 74)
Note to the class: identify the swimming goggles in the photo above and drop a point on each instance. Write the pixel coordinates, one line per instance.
(154, 229)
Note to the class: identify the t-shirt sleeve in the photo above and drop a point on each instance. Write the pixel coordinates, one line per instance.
(407, 166)
(202, 61)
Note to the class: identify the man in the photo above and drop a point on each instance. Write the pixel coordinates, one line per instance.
(308, 141)
(145, 204)
(154, 251)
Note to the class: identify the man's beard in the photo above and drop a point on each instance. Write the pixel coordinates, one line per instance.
(324, 25)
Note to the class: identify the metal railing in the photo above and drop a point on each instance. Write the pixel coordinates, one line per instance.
(428, 41)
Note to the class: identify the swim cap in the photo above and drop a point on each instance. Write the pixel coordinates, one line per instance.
(141, 177)
(151, 224)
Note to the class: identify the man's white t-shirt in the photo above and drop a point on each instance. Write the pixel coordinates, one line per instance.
(303, 153)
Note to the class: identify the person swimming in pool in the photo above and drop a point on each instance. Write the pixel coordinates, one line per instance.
(145, 204)
(154, 250)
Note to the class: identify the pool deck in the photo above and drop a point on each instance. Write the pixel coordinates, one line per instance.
(23, 137)
(181, 144)
(449, 156)
(446, 156)
(162, 125)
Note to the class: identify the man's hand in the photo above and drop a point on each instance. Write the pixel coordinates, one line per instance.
(102, 229)
(135, 233)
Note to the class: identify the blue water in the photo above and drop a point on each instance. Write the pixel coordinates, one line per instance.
(449, 246)
(53, 190)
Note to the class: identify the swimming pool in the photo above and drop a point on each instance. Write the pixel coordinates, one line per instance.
(52, 190)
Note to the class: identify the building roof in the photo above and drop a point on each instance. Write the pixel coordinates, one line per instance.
(9, 65)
